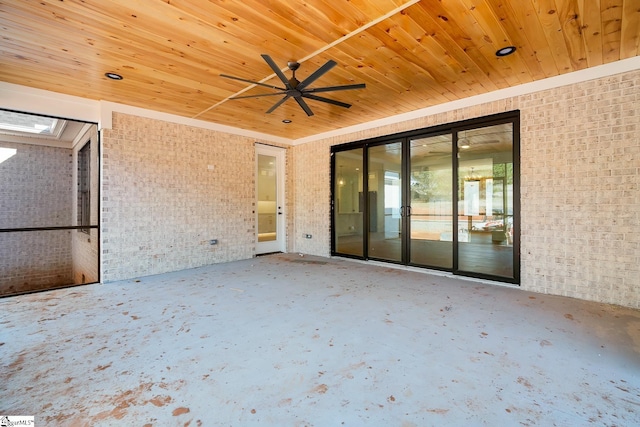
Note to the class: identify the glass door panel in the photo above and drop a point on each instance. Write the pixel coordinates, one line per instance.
(431, 206)
(385, 202)
(270, 230)
(267, 199)
(485, 200)
(349, 202)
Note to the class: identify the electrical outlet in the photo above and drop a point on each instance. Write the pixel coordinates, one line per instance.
(213, 241)
(307, 236)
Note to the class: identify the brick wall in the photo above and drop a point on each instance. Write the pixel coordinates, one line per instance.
(580, 160)
(161, 203)
(35, 192)
(580, 190)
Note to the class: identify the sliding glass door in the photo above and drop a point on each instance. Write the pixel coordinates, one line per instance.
(430, 204)
(444, 198)
(386, 203)
(486, 201)
(348, 208)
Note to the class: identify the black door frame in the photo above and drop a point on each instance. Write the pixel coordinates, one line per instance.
(454, 129)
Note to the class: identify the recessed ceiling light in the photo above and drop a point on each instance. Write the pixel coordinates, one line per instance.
(508, 50)
(287, 121)
(113, 76)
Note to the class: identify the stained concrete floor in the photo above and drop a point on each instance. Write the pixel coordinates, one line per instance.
(285, 340)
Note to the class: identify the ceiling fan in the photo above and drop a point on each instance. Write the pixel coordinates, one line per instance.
(298, 89)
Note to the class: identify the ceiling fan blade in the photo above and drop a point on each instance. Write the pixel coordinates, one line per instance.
(251, 81)
(259, 95)
(333, 88)
(277, 104)
(327, 100)
(316, 74)
(303, 105)
(276, 70)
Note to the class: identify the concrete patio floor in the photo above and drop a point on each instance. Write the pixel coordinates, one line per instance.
(284, 340)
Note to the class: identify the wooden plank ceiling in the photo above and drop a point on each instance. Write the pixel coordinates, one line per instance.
(411, 54)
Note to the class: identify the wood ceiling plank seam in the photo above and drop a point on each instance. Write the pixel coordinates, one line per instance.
(442, 72)
(369, 66)
(69, 59)
(151, 95)
(348, 17)
(517, 38)
(72, 42)
(591, 30)
(362, 29)
(202, 45)
(212, 91)
(483, 31)
(452, 48)
(475, 37)
(107, 31)
(393, 40)
(405, 56)
(568, 15)
(324, 29)
(122, 95)
(530, 26)
(310, 56)
(30, 52)
(548, 15)
(36, 76)
(252, 21)
(374, 80)
(106, 60)
(630, 31)
(415, 39)
(611, 15)
(332, 44)
(372, 9)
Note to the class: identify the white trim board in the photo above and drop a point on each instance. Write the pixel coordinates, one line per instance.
(38, 101)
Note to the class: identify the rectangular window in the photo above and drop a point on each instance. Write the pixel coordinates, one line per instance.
(84, 185)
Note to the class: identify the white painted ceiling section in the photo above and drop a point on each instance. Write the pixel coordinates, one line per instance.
(37, 101)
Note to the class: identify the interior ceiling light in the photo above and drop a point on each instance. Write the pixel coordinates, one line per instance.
(113, 76)
(464, 142)
(508, 50)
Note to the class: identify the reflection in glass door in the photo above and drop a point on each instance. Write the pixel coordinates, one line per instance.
(269, 200)
(349, 203)
(486, 201)
(431, 208)
(385, 200)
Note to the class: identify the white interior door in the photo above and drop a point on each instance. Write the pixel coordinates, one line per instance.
(270, 203)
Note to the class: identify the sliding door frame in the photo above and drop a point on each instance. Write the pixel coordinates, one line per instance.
(454, 129)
